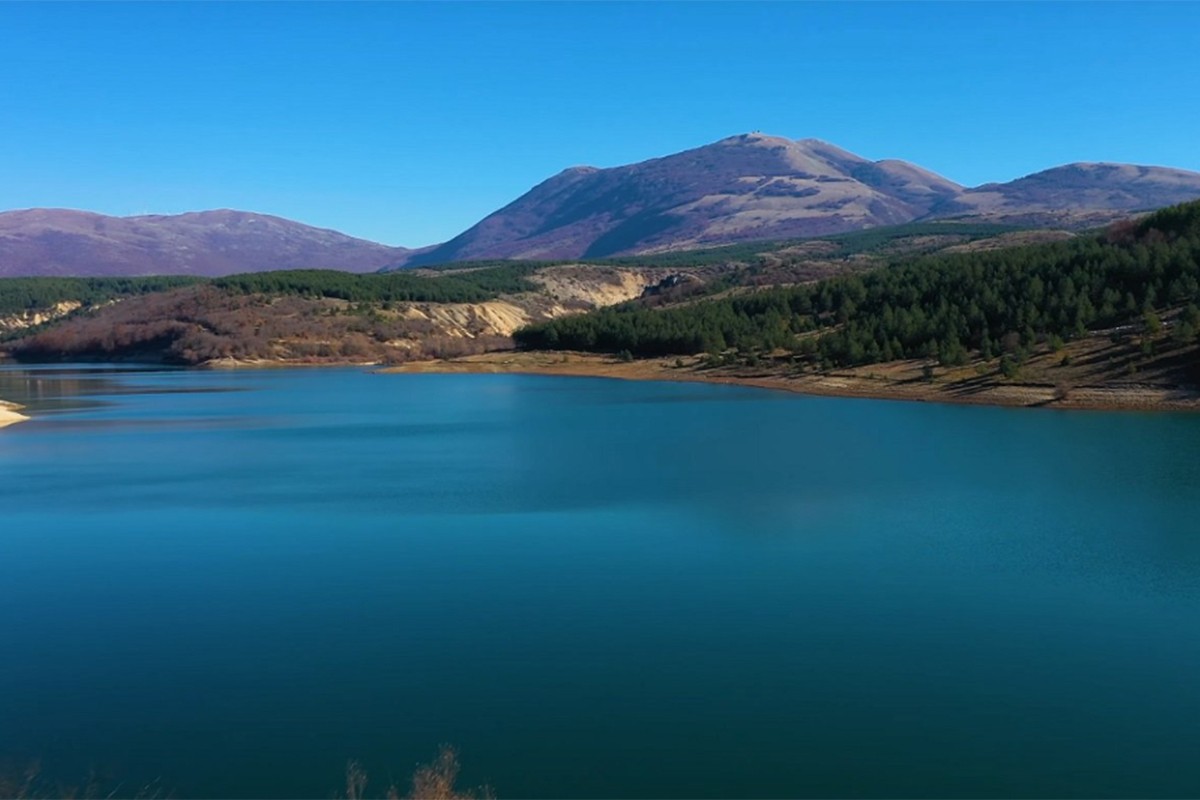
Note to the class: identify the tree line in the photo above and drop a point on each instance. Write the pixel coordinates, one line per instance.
(468, 286)
(938, 306)
(465, 286)
(25, 294)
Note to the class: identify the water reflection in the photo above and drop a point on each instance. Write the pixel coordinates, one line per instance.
(267, 573)
(52, 389)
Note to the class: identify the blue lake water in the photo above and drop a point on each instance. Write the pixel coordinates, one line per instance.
(239, 580)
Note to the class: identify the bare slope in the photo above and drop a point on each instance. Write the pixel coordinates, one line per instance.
(742, 188)
(64, 242)
(1088, 192)
(755, 187)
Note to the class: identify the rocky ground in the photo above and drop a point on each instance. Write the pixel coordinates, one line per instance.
(1093, 373)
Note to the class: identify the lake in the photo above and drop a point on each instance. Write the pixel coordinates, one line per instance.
(593, 588)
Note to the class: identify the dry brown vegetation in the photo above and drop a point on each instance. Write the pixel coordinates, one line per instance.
(433, 781)
(29, 782)
(217, 323)
(203, 323)
(436, 780)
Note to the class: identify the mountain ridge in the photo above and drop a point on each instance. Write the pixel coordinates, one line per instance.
(70, 242)
(755, 186)
(743, 188)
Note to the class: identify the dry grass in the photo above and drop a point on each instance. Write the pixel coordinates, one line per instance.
(433, 781)
(1097, 374)
(28, 782)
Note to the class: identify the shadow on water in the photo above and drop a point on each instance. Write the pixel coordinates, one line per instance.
(56, 389)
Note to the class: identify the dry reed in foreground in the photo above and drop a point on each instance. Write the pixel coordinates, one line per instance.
(30, 783)
(432, 781)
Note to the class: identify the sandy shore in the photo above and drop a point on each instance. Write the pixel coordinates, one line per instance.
(9, 415)
(1044, 383)
(275, 363)
(895, 381)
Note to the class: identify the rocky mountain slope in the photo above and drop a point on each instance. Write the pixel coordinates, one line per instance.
(754, 186)
(56, 242)
(745, 188)
(1083, 192)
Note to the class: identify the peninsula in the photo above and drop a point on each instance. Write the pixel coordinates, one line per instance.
(9, 414)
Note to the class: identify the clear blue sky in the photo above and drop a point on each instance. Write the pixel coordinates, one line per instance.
(406, 123)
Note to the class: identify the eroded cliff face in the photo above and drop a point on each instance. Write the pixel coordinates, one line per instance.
(564, 290)
(596, 286)
(29, 319)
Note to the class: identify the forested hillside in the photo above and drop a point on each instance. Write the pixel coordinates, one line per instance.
(466, 286)
(939, 306)
(24, 294)
(309, 316)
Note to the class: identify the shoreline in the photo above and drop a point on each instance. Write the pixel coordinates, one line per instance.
(852, 383)
(9, 414)
(971, 384)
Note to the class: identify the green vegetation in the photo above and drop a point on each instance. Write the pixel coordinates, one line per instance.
(1137, 278)
(25, 294)
(709, 256)
(464, 286)
(846, 244)
(459, 286)
(938, 306)
(879, 238)
(519, 265)
(286, 314)
(471, 281)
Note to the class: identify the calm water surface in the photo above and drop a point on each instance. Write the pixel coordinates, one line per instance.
(594, 588)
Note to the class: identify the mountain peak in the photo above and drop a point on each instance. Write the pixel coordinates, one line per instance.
(754, 137)
(743, 187)
(755, 186)
(760, 139)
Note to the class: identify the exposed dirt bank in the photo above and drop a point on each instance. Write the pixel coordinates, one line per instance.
(35, 317)
(902, 380)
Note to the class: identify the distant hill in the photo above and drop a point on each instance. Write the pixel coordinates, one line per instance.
(60, 242)
(754, 187)
(747, 188)
(1088, 192)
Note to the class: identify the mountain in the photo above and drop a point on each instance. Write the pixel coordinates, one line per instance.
(741, 189)
(1084, 190)
(46, 241)
(753, 187)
